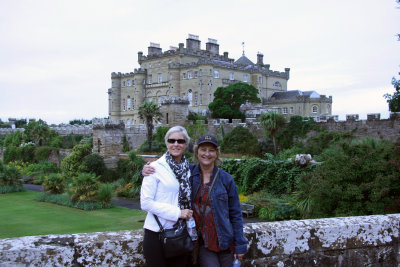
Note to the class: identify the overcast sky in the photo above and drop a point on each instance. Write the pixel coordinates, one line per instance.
(56, 56)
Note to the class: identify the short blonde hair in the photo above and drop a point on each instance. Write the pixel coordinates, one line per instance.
(218, 160)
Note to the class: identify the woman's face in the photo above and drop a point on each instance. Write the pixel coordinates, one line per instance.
(207, 154)
(174, 147)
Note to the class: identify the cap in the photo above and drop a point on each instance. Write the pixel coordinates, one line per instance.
(208, 138)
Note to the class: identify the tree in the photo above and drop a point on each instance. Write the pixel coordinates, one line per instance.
(38, 132)
(394, 100)
(227, 100)
(272, 123)
(148, 112)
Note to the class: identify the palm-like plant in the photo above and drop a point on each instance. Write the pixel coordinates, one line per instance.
(150, 112)
(272, 123)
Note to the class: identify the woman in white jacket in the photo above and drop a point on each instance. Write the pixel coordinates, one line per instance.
(166, 193)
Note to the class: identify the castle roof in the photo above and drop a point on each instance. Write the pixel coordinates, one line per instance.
(293, 94)
(243, 60)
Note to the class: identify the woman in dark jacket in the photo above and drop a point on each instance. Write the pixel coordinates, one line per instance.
(221, 235)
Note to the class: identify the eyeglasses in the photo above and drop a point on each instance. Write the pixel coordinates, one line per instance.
(180, 141)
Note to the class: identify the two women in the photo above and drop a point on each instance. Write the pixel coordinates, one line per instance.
(217, 212)
(167, 194)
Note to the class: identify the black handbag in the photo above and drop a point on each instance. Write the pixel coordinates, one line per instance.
(175, 241)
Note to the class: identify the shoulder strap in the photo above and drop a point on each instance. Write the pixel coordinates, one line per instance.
(159, 224)
(208, 195)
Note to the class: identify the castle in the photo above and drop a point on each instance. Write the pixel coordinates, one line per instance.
(184, 79)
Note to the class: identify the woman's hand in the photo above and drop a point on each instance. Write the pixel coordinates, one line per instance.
(238, 256)
(186, 214)
(147, 169)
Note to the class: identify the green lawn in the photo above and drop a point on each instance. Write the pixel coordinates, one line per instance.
(21, 215)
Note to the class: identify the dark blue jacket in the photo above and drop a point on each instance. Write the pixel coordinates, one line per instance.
(225, 207)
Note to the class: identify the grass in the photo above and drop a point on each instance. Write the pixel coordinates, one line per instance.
(21, 215)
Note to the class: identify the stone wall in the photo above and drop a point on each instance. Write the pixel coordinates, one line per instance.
(347, 241)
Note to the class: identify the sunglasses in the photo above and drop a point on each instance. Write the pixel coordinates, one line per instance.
(180, 141)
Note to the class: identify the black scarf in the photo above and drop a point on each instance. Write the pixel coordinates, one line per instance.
(181, 171)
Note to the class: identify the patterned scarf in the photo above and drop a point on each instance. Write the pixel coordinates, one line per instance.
(181, 171)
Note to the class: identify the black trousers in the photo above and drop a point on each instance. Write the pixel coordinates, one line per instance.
(153, 252)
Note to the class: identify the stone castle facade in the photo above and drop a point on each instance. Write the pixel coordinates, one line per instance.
(184, 79)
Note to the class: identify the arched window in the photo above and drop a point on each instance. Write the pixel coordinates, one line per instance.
(314, 109)
(123, 104)
(128, 105)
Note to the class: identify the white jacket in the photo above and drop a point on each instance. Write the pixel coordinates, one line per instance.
(159, 196)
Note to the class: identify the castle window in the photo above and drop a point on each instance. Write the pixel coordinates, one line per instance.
(160, 78)
(129, 82)
(216, 74)
(260, 79)
(314, 109)
(190, 74)
(201, 99)
(291, 110)
(195, 74)
(150, 79)
(210, 72)
(210, 100)
(284, 110)
(231, 77)
(200, 73)
(195, 98)
(123, 83)
(123, 104)
(184, 75)
(278, 84)
(170, 77)
(190, 97)
(128, 105)
(328, 109)
(134, 82)
(245, 78)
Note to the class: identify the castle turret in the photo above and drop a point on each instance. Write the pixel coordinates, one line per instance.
(114, 96)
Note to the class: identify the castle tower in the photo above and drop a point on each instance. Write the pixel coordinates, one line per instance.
(114, 96)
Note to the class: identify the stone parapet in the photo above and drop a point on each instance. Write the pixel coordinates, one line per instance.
(347, 241)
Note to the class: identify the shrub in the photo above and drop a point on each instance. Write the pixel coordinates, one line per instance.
(42, 153)
(241, 140)
(56, 142)
(359, 178)
(105, 193)
(70, 164)
(93, 163)
(10, 176)
(125, 144)
(109, 175)
(54, 183)
(129, 171)
(83, 187)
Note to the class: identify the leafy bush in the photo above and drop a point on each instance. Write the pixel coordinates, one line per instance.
(10, 175)
(109, 175)
(105, 193)
(241, 140)
(358, 178)
(125, 144)
(129, 171)
(43, 167)
(93, 163)
(70, 164)
(273, 176)
(316, 144)
(298, 127)
(54, 183)
(56, 141)
(271, 208)
(11, 189)
(84, 187)
(42, 153)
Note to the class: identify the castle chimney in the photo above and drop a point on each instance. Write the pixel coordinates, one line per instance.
(193, 42)
(260, 59)
(154, 49)
(225, 55)
(181, 47)
(212, 46)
